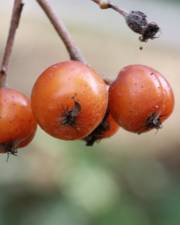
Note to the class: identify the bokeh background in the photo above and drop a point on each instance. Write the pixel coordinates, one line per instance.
(128, 179)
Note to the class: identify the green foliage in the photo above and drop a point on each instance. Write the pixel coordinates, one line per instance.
(70, 184)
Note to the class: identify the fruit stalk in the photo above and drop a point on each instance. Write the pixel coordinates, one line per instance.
(15, 18)
(62, 31)
(107, 4)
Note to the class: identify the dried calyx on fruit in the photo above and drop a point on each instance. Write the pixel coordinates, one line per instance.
(70, 115)
(154, 121)
(107, 128)
(97, 133)
(137, 21)
(9, 147)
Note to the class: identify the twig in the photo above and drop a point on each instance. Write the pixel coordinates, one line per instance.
(64, 34)
(15, 18)
(107, 4)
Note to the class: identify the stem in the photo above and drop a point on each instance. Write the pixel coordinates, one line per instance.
(61, 29)
(15, 18)
(107, 4)
(119, 10)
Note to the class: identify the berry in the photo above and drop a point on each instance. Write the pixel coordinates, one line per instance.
(69, 100)
(17, 123)
(140, 98)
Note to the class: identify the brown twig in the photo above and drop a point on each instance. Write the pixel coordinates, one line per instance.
(64, 34)
(15, 18)
(107, 4)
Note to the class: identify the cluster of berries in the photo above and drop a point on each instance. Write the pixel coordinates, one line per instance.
(70, 101)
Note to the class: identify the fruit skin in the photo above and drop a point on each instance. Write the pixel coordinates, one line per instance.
(28, 139)
(113, 127)
(17, 123)
(69, 100)
(140, 98)
(107, 128)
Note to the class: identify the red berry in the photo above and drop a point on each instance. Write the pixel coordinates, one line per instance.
(17, 122)
(69, 100)
(140, 98)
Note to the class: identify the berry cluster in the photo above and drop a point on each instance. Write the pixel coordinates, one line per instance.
(70, 101)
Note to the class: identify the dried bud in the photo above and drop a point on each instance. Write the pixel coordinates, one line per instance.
(137, 21)
(149, 32)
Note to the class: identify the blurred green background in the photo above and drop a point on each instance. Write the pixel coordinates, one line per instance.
(128, 179)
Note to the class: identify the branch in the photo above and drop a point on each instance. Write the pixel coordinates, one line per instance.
(15, 18)
(64, 34)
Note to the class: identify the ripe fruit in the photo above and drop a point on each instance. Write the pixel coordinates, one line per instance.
(69, 100)
(107, 128)
(17, 123)
(140, 98)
